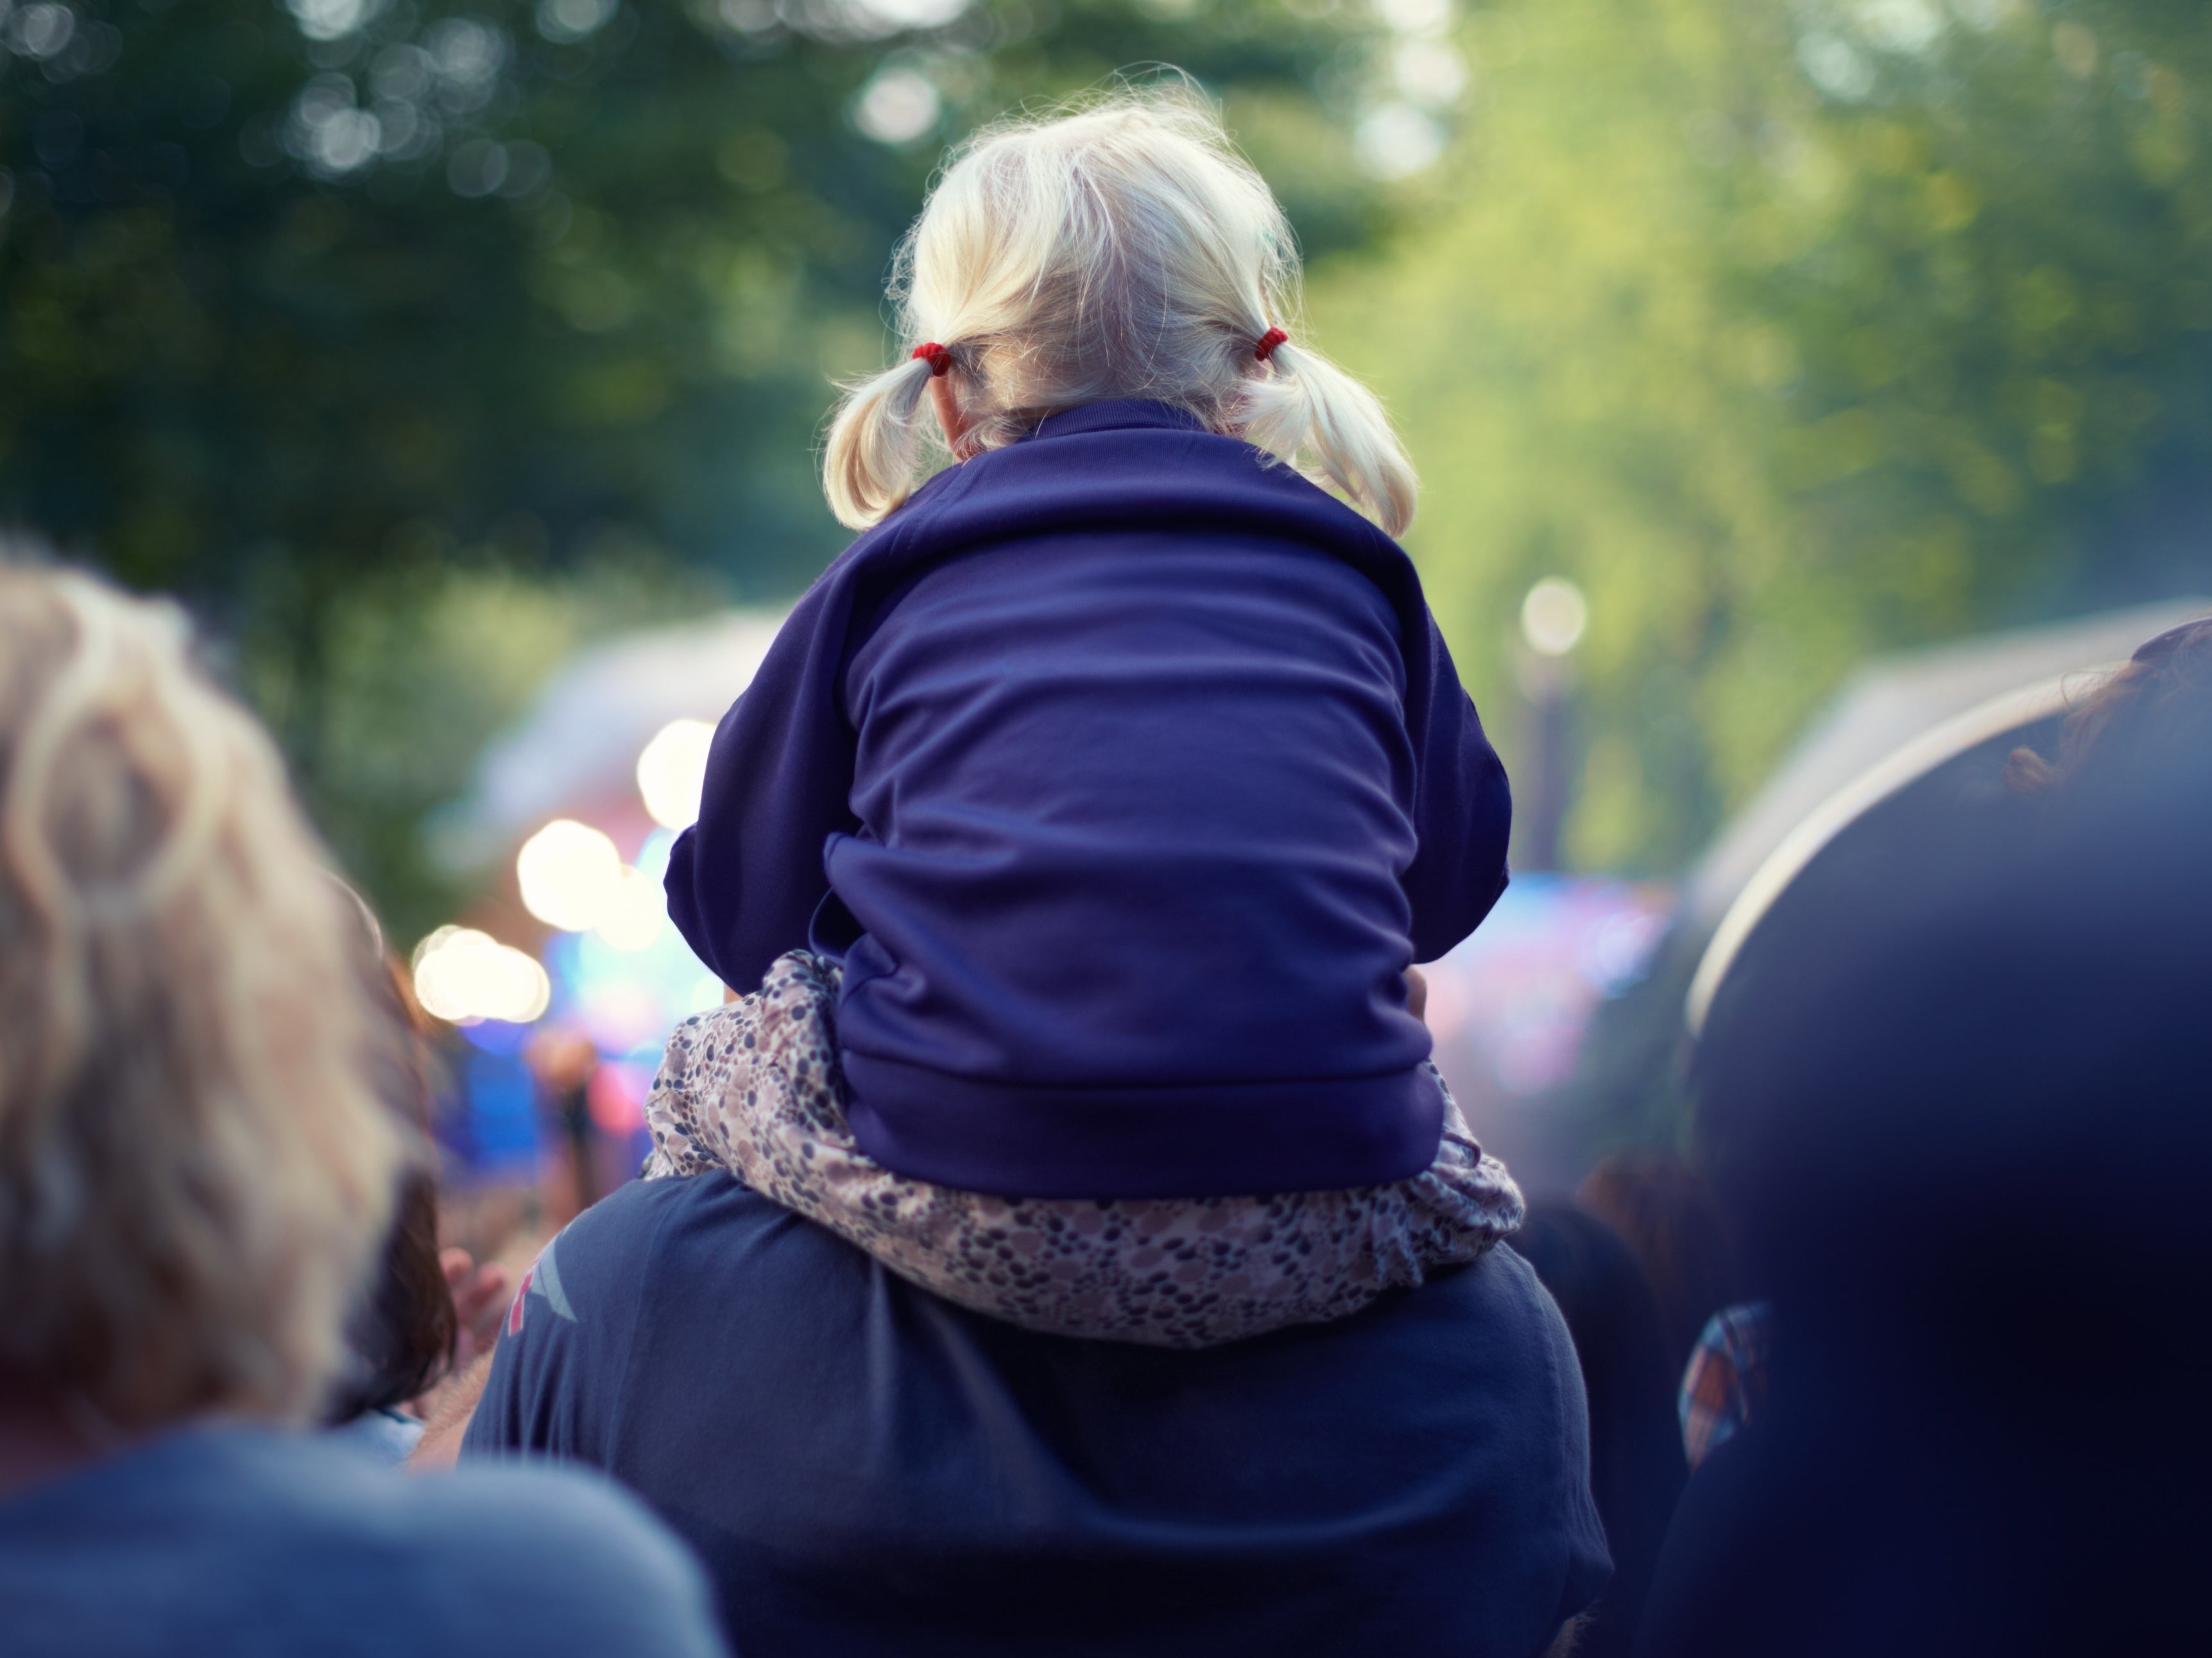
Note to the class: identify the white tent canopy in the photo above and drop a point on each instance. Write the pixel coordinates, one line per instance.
(580, 742)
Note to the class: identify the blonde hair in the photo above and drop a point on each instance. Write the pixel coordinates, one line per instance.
(1119, 247)
(195, 1165)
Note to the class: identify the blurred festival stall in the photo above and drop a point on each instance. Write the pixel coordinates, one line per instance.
(565, 987)
(1510, 1007)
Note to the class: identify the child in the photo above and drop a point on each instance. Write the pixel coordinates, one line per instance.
(1087, 813)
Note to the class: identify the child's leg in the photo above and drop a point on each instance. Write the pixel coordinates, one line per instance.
(753, 1087)
(768, 1057)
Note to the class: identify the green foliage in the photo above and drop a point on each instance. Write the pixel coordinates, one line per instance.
(1793, 334)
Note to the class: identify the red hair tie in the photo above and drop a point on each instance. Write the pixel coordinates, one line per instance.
(1268, 342)
(936, 356)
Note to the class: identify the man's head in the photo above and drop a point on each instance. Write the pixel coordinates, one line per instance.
(195, 1165)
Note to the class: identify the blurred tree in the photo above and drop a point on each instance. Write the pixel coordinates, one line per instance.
(306, 306)
(1793, 333)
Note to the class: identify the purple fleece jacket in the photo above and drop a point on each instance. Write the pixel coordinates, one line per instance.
(1126, 772)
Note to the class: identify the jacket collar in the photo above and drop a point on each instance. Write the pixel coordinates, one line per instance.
(1118, 414)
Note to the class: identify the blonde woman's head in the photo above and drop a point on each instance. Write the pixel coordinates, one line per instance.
(195, 1166)
(1117, 248)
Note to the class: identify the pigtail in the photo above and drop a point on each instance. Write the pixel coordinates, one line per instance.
(1302, 403)
(873, 451)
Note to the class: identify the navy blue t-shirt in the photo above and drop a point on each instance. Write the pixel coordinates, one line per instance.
(867, 1469)
(254, 1543)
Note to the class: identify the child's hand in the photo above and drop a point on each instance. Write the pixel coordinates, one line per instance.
(1417, 994)
(479, 1297)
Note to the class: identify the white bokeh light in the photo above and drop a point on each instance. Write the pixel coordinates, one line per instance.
(1901, 26)
(1415, 16)
(1397, 141)
(892, 16)
(897, 106)
(1836, 67)
(1553, 616)
(40, 31)
(1431, 73)
(463, 975)
(346, 140)
(635, 915)
(570, 874)
(332, 20)
(672, 770)
(565, 21)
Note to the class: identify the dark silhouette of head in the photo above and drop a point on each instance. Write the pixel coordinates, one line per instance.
(402, 1330)
(1665, 1211)
(1962, 1112)
(1637, 1469)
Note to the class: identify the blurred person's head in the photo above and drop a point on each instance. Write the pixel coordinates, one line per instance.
(1118, 248)
(195, 1166)
(400, 1338)
(1963, 1119)
(2135, 712)
(1667, 1214)
(1637, 1470)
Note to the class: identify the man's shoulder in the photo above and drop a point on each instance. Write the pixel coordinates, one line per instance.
(642, 1215)
(638, 1261)
(614, 1246)
(644, 1288)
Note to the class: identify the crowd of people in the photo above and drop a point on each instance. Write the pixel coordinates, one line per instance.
(929, 1330)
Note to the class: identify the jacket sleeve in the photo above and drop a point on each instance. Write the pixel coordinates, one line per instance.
(744, 881)
(1463, 804)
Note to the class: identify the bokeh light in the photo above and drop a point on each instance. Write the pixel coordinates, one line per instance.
(40, 32)
(898, 106)
(462, 974)
(1397, 141)
(1429, 73)
(881, 17)
(1553, 616)
(569, 21)
(672, 770)
(635, 914)
(1415, 16)
(332, 20)
(570, 874)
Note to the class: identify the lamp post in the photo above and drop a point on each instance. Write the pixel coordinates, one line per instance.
(1553, 617)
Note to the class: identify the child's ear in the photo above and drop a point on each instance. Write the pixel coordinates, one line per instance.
(949, 415)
